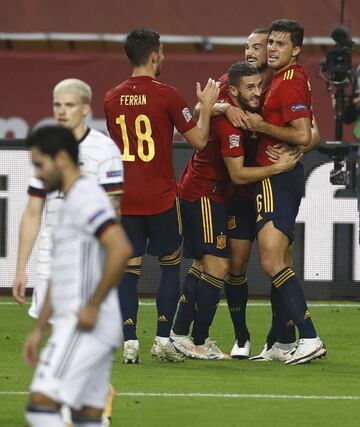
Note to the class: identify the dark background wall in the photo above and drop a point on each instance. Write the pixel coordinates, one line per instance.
(186, 17)
(29, 77)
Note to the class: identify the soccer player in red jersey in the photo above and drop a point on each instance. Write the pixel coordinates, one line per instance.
(141, 114)
(242, 227)
(286, 117)
(205, 189)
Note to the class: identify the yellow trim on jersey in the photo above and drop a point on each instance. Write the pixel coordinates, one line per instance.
(283, 277)
(207, 220)
(268, 195)
(178, 211)
(288, 75)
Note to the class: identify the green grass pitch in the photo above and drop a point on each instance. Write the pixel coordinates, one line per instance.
(324, 393)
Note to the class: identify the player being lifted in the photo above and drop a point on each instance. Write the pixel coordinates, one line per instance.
(99, 159)
(141, 114)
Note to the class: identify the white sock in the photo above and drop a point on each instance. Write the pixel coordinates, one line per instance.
(163, 340)
(65, 412)
(288, 346)
(44, 419)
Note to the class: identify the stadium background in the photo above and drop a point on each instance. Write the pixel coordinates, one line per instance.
(43, 42)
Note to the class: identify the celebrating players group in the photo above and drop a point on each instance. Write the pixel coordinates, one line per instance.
(243, 182)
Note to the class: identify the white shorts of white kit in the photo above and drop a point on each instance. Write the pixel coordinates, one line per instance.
(43, 267)
(74, 368)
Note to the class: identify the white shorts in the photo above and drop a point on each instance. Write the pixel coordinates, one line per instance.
(42, 275)
(38, 297)
(74, 367)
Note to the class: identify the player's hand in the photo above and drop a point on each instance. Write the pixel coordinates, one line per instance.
(19, 286)
(210, 94)
(31, 347)
(356, 100)
(274, 151)
(287, 161)
(237, 117)
(255, 121)
(87, 317)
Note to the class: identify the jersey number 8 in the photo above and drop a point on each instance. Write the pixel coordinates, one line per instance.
(143, 132)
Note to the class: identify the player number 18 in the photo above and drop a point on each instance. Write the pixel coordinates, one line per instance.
(143, 132)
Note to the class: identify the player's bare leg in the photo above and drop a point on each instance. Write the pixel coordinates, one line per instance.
(87, 417)
(107, 414)
(42, 411)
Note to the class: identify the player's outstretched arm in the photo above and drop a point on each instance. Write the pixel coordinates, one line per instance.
(197, 137)
(241, 174)
(29, 229)
(118, 250)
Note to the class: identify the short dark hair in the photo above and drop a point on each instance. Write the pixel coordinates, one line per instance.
(239, 70)
(260, 31)
(139, 44)
(52, 139)
(287, 26)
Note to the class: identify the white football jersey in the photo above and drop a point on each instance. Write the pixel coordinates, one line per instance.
(77, 257)
(99, 158)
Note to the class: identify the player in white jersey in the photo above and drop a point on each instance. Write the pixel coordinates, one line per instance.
(99, 158)
(90, 251)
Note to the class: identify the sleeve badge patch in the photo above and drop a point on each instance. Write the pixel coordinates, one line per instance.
(113, 174)
(187, 115)
(298, 107)
(234, 140)
(96, 215)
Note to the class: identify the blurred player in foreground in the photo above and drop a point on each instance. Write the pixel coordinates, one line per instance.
(90, 250)
(99, 158)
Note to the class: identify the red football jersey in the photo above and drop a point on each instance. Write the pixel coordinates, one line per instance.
(206, 173)
(251, 142)
(141, 114)
(288, 99)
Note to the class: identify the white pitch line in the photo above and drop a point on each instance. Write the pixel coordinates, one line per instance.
(238, 396)
(215, 395)
(267, 304)
(250, 304)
